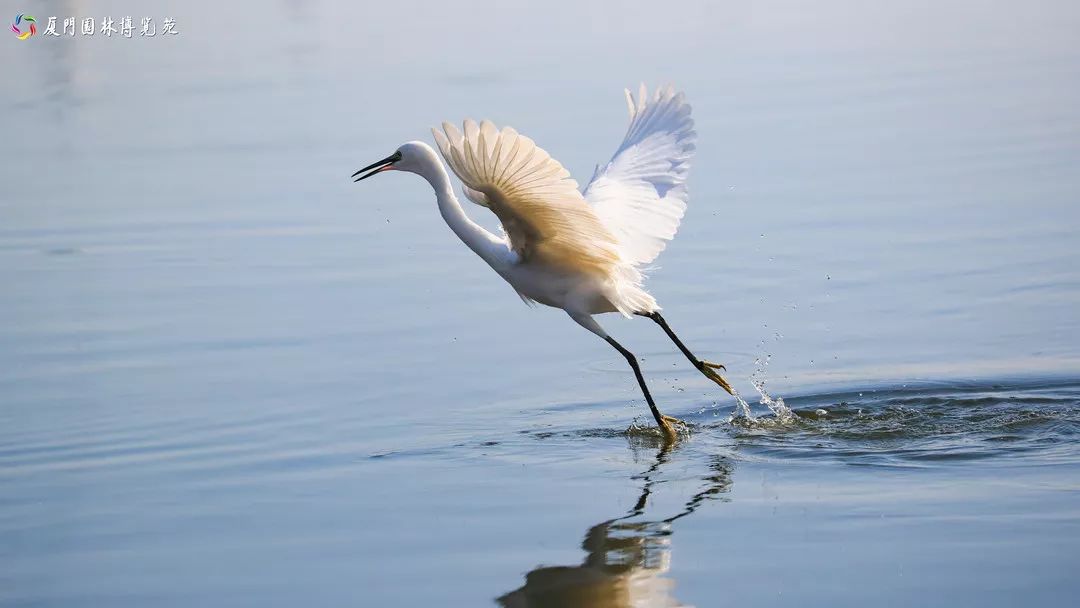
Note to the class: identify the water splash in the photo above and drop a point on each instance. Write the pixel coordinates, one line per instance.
(779, 409)
(781, 412)
(938, 424)
(743, 408)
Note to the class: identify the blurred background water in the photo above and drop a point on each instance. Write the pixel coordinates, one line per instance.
(230, 376)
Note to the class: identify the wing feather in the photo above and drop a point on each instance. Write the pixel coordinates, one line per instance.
(640, 195)
(544, 216)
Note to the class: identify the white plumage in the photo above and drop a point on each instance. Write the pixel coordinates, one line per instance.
(578, 251)
(546, 220)
(628, 212)
(640, 195)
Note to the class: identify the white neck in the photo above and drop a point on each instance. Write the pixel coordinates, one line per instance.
(486, 245)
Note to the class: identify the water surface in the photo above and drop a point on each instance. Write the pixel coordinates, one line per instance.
(229, 376)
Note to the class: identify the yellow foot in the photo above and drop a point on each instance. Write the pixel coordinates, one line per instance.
(670, 427)
(709, 369)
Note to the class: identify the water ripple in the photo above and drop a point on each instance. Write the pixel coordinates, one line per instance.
(908, 426)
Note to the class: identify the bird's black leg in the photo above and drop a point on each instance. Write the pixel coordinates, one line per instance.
(705, 367)
(665, 422)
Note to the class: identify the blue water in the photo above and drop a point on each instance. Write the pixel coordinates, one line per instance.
(230, 376)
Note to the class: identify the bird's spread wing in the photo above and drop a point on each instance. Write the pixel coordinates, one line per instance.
(545, 217)
(640, 195)
(475, 196)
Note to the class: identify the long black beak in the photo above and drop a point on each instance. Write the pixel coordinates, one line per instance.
(377, 166)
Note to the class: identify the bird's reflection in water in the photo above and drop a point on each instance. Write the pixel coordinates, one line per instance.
(627, 557)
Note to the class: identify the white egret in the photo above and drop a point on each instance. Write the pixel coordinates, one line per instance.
(578, 251)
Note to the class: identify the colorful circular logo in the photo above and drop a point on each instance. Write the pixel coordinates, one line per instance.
(21, 35)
